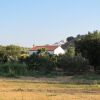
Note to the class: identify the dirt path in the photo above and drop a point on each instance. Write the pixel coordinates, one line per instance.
(67, 91)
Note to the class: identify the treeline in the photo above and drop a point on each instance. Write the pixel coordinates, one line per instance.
(82, 56)
(11, 53)
(10, 60)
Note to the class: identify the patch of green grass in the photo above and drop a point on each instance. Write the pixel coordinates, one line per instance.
(38, 74)
(88, 76)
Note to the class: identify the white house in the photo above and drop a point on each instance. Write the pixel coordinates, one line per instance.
(50, 48)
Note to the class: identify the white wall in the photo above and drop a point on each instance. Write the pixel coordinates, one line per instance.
(59, 50)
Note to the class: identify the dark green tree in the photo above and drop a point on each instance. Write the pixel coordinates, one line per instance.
(42, 61)
(70, 52)
(72, 65)
(89, 46)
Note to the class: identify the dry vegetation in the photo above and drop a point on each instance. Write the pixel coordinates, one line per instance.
(37, 89)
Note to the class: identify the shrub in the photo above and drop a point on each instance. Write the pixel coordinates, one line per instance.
(13, 69)
(45, 63)
(75, 64)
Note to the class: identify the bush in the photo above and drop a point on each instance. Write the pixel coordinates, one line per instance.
(20, 69)
(75, 64)
(45, 63)
(13, 69)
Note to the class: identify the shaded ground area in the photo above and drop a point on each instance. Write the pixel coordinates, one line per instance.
(78, 79)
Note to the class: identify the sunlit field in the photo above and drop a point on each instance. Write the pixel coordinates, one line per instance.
(46, 96)
(15, 89)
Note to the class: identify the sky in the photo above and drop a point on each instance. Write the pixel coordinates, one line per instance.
(40, 22)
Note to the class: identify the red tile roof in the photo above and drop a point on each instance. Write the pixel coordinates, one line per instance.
(48, 48)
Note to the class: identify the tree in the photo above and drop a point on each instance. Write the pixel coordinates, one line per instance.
(89, 47)
(11, 53)
(13, 50)
(3, 57)
(70, 52)
(71, 38)
(42, 51)
(42, 61)
(72, 65)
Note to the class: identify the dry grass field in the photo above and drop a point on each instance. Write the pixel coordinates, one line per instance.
(40, 89)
